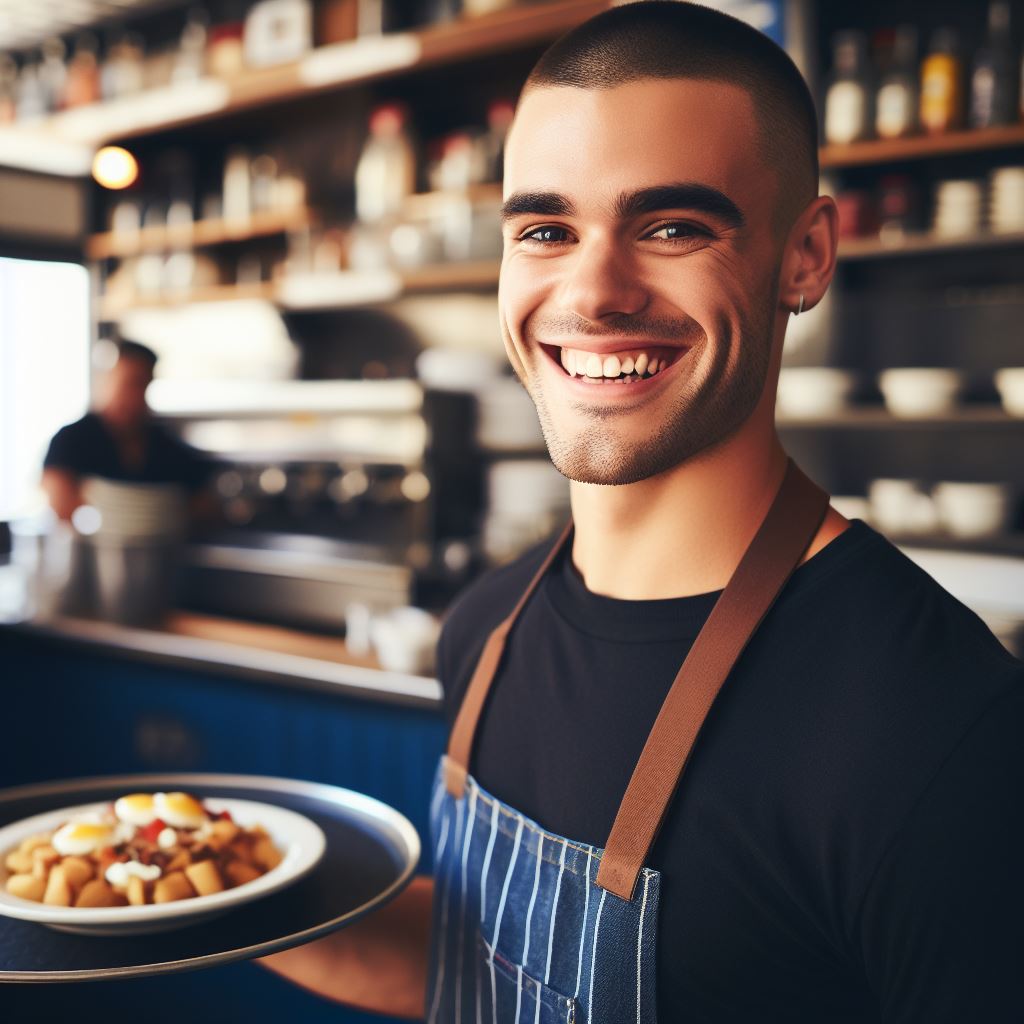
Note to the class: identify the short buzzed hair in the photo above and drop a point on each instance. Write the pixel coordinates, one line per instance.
(676, 39)
(136, 350)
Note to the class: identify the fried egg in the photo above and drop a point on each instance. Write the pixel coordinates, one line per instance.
(180, 810)
(135, 809)
(78, 838)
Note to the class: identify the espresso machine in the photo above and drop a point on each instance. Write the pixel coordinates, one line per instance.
(330, 492)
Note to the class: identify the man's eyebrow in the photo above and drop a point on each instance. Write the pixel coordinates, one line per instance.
(678, 195)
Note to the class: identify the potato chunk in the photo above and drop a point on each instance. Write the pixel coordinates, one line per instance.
(180, 860)
(98, 893)
(266, 854)
(239, 872)
(27, 886)
(78, 871)
(204, 877)
(174, 886)
(136, 891)
(19, 862)
(58, 888)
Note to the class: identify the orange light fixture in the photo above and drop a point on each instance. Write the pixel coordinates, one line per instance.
(114, 167)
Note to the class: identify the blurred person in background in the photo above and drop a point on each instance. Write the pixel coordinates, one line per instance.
(122, 441)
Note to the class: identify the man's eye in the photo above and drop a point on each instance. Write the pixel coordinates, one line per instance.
(545, 234)
(679, 231)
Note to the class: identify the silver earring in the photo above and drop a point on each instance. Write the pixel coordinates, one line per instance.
(800, 307)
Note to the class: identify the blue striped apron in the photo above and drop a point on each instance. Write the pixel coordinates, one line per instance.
(529, 926)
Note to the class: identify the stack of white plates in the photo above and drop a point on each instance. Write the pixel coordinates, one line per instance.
(127, 511)
(958, 208)
(1006, 200)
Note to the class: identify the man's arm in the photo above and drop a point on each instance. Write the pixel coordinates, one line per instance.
(63, 490)
(378, 964)
(942, 922)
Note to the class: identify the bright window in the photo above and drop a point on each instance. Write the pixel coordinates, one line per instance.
(44, 369)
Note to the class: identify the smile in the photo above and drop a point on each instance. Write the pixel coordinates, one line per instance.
(628, 366)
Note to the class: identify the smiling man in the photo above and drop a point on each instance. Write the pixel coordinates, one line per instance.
(717, 754)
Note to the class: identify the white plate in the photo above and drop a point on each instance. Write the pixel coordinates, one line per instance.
(300, 840)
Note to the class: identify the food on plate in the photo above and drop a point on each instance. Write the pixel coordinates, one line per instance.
(142, 848)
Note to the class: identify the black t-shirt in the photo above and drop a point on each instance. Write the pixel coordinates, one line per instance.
(87, 448)
(847, 842)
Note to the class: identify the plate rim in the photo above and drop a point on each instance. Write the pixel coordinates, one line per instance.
(366, 806)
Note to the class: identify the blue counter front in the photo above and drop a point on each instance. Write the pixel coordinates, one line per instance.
(71, 710)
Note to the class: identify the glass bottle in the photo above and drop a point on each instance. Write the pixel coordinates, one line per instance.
(83, 84)
(941, 84)
(8, 88)
(992, 77)
(53, 72)
(847, 99)
(896, 100)
(386, 170)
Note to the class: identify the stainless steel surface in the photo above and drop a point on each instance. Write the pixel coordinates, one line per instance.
(374, 814)
(300, 583)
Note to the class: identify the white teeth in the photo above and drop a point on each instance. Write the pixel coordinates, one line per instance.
(611, 367)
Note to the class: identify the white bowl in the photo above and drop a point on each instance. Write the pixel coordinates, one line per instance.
(971, 510)
(300, 840)
(807, 391)
(920, 391)
(1010, 383)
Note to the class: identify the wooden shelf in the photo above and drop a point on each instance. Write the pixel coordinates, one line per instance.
(325, 68)
(853, 249)
(878, 417)
(343, 290)
(111, 308)
(922, 147)
(193, 236)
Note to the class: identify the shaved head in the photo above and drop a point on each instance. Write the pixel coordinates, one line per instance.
(673, 39)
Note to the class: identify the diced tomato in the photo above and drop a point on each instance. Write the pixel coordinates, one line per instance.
(225, 816)
(152, 830)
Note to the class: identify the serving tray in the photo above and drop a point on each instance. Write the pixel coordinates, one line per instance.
(371, 854)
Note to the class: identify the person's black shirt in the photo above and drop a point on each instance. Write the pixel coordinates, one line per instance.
(88, 448)
(847, 842)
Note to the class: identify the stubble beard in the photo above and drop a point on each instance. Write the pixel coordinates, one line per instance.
(713, 402)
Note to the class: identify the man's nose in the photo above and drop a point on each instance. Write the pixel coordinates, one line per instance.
(601, 280)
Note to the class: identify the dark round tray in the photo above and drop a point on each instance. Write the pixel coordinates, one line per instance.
(371, 854)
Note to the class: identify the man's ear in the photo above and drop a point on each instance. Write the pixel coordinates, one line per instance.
(809, 256)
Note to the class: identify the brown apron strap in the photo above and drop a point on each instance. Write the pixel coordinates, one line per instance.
(785, 533)
(460, 742)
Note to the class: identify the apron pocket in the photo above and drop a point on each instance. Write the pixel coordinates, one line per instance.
(514, 995)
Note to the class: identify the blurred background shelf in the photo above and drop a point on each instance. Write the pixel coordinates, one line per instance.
(161, 238)
(877, 418)
(889, 151)
(924, 244)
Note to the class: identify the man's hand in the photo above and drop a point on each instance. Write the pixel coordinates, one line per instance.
(377, 964)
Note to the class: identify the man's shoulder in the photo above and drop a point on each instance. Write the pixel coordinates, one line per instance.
(881, 604)
(72, 438)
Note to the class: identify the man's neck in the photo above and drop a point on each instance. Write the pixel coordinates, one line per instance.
(680, 533)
